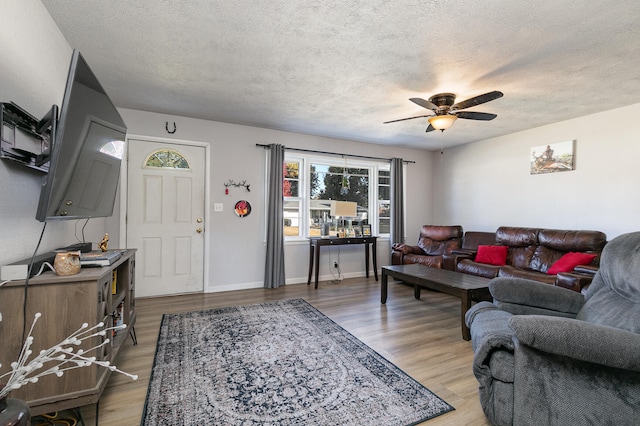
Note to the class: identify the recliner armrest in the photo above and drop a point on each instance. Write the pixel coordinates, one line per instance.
(581, 340)
(533, 297)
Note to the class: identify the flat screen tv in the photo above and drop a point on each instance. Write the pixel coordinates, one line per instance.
(86, 151)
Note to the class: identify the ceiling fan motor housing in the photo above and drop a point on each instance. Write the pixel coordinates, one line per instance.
(443, 101)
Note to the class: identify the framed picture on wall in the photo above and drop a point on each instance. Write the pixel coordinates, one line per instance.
(366, 230)
(552, 158)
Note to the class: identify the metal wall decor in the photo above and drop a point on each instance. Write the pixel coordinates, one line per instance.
(235, 184)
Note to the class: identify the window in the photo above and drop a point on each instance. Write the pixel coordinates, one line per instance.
(292, 199)
(311, 183)
(384, 201)
(166, 159)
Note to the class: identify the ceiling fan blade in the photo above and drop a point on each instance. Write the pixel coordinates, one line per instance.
(472, 115)
(430, 128)
(424, 104)
(477, 100)
(409, 118)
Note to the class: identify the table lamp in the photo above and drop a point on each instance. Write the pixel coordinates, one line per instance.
(342, 209)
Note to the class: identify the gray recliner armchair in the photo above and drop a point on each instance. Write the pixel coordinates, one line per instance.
(545, 355)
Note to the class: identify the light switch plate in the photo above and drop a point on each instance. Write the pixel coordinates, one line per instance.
(217, 207)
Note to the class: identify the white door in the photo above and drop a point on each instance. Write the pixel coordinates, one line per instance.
(165, 216)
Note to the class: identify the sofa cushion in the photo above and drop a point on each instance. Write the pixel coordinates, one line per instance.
(431, 261)
(437, 240)
(566, 241)
(437, 248)
(517, 237)
(543, 258)
(493, 255)
(512, 272)
(569, 261)
(473, 239)
(522, 244)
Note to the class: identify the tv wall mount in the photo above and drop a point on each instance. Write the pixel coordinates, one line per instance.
(25, 139)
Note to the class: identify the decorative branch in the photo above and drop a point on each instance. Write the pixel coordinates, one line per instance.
(24, 371)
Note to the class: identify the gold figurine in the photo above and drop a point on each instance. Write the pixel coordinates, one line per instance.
(102, 245)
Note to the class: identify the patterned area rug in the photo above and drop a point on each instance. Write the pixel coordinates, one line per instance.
(278, 363)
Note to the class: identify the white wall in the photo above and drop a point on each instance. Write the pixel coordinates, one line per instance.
(480, 186)
(237, 249)
(33, 70)
(487, 184)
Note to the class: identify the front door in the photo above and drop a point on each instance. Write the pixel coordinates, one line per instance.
(165, 216)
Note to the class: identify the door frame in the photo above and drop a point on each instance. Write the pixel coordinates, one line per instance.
(124, 191)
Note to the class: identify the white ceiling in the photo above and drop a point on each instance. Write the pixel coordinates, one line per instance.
(341, 68)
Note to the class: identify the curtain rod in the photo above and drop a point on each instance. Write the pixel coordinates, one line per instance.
(335, 153)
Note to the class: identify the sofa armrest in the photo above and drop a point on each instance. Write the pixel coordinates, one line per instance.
(465, 252)
(490, 332)
(575, 281)
(450, 260)
(397, 257)
(398, 251)
(520, 296)
(597, 344)
(407, 249)
(586, 269)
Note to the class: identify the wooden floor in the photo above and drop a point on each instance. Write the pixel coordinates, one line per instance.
(422, 337)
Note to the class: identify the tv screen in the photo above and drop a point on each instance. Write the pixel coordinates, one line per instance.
(86, 151)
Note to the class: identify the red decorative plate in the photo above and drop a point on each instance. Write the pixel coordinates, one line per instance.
(243, 208)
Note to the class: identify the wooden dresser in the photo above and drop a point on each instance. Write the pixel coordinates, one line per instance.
(102, 294)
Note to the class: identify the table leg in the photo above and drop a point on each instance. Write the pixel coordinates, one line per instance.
(416, 291)
(366, 259)
(317, 262)
(383, 287)
(310, 263)
(374, 251)
(465, 304)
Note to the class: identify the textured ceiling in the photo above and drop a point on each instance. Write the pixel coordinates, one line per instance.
(341, 68)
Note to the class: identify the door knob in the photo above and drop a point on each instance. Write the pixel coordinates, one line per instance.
(199, 230)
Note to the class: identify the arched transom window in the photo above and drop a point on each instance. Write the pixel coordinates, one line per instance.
(167, 159)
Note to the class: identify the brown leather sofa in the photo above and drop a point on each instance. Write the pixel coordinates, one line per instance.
(433, 244)
(532, 252)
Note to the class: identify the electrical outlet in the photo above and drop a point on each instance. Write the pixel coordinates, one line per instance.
(335, 263)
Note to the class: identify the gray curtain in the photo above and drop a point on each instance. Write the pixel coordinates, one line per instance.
(274, 264)
(397, 201)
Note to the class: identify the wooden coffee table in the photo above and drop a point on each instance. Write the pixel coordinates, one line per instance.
(467, 287)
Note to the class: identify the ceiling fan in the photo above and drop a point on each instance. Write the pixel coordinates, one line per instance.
(446, 111)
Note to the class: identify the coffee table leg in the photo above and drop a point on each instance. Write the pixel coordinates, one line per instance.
(465, 304)
(416, 291)
(383, 287)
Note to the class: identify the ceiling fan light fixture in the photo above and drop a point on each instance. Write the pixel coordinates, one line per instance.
(442, 122)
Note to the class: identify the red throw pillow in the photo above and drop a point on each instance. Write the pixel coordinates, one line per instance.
(493, 255)
(569, 261)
